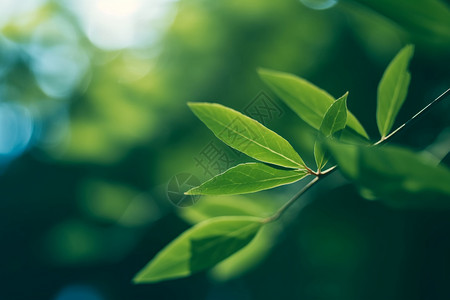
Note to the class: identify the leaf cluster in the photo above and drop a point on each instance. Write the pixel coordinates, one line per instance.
(394, 175)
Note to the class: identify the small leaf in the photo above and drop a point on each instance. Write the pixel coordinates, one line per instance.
(335, 118)
(247, 135)
(334, 121)
(395, 175)
(320, 155)
(393, 89)
(308, 101)
(200, 247)
(247, 178)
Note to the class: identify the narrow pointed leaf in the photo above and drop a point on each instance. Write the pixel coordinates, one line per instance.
(320, 155)
(308, 101)
(258, 249)
(247, 178)
(336, 117)
(395, 175)
(334, 121)
(200, 247)
(247, 135)
(393, 89)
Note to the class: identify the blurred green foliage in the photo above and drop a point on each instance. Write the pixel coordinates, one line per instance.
(91, 134)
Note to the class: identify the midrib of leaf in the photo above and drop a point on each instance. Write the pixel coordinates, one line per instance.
(265, 147)
(335, 118)
(266, 180)
(392, 104)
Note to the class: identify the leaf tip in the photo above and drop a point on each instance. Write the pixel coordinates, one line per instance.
(343, 97)
(407, 52)
(260, 70)
(193, 191)
(410, 48)
(192, 104)
(136, 280)
(139, 279)
(267, 74)
(263, 72)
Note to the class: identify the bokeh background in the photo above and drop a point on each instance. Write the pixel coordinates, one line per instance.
(94, 126)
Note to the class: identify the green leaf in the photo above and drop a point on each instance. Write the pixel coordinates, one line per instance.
(308, 101)
(247, 135)
(200, 247)
(257, 250)
(393, 89)
(250, 256)
(334, 121)
(395, 175)
(336, 117)
(247, 178)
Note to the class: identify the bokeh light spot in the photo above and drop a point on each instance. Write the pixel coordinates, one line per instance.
(10, 10)
(16, 129)
(119, 24)
(7, 55)
(78, 292)
(59, 70)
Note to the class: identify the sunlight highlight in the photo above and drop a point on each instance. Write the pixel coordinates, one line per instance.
(118, 24)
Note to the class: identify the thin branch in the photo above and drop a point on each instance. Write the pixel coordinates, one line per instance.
(288, 204)
(327, 172)
(415, 118)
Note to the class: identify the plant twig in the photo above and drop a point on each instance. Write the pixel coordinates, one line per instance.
(327, 172)
(291, 201)
(415, 118)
